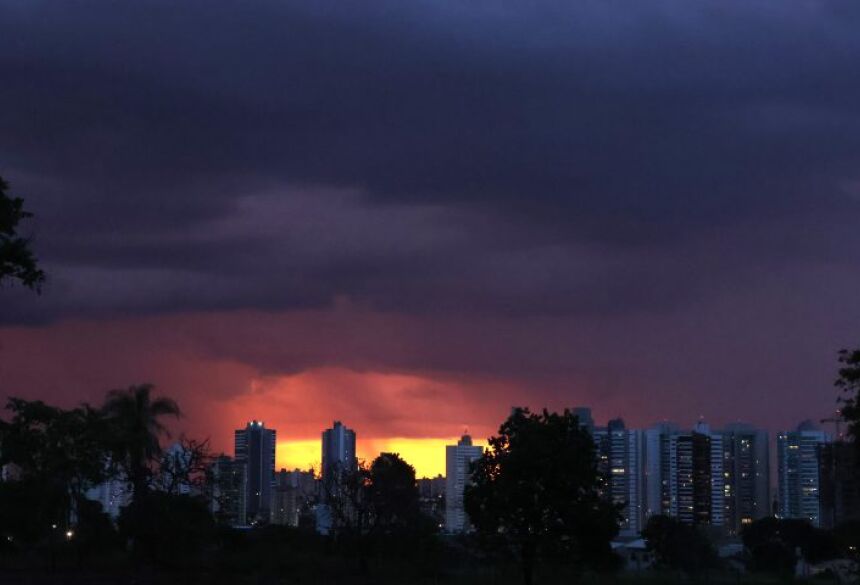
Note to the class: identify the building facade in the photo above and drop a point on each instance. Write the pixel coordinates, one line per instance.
(295, 494)
(624, 456)
(746, 468)
(798, 461)
(658, 494)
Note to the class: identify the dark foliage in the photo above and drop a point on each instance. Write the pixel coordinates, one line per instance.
(774, 544)
(847, 536)
(536, 489)
(679, 546)
(393, 495)
(167, 529)
(849, 382)
(134, 416)
(57, 455)
(17, 261)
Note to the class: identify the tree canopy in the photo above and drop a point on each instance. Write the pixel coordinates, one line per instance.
(17, 261)
(677, 545)
(134, 416)
(537, 489)
(849, 382)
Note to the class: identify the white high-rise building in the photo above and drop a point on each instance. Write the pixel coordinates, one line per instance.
(798, 458)
(657, 481)
(458, 460)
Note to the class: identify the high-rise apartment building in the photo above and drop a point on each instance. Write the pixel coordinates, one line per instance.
(338, 458)
(458, 460)
(624, 450)
(696, 477)
(255, 447)
(746, 468)
(798, 461)
(658, 495)
(338, 450)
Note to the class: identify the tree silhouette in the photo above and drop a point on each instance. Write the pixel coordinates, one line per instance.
(773, 542)
(849, 383)
(58, 454)
(17, 261)
(135, 417)
(677, 545)
(393, 495)
(537, 489)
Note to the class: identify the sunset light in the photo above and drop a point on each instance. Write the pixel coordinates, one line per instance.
(426, 455)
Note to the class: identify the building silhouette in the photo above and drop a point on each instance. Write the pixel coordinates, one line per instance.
(228, 491)
(255, 447)
(431, 498)
(338, 450)
(458, 461)
(840, 483)
(338, 460)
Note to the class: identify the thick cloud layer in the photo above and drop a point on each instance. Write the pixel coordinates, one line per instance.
(615, 171)
(414, 155)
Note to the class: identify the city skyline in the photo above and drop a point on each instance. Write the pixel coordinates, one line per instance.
(428, 456)
(411, 216)
(724, 478)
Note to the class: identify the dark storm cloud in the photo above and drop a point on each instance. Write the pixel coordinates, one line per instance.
(565, 157)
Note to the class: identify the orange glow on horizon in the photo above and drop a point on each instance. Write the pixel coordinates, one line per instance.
(426, 455)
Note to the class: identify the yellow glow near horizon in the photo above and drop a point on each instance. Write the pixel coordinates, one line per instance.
(426, 455)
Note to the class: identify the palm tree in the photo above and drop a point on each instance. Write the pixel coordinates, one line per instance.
(136, 430)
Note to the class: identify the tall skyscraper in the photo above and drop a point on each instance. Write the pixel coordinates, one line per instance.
(798, 460)
(746, 467)
(255, 447)
(458, 459)
(696, 477)
(658, 496)
(338, 457)
(625, 455)
(338, 450)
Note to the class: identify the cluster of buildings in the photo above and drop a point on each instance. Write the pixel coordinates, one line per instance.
(720, 478)
(246, 490)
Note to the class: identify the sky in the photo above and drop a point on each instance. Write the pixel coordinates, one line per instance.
(411, 216)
